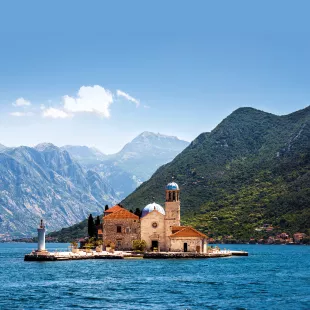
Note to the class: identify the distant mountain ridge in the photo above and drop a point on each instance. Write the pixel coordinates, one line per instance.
(84, 154)
(134, 163)
(63, 185)
(147, 152)
(45, 182)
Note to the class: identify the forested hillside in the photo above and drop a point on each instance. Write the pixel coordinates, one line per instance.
(252, 169)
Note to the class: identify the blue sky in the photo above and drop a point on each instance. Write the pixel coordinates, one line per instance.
(186, 65)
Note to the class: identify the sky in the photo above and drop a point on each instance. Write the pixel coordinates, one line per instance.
(98, 73)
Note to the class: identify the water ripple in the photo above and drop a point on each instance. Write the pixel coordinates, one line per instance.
(272, 277)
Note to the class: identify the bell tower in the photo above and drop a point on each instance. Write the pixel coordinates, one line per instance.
(172, 205)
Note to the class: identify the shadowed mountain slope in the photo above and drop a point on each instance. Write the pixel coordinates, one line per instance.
(44, 182)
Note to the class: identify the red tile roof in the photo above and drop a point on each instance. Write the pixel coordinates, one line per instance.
(113, 209)
(187, 231)
(121, 214)
(174, 229)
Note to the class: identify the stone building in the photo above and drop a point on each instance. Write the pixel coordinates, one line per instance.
(158, 226)
(120, 227)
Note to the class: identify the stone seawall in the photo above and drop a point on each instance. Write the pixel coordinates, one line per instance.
(59, 256)
(166, 255)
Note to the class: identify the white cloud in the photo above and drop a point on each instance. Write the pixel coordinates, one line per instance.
(120, 93)
(55, 113)
(92, 99)
(21, 102)
(19, 114)
(146, 107)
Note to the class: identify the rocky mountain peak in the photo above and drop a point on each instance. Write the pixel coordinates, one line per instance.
(149, 134)
(46, 147)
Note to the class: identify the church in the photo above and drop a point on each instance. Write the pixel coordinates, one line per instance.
(159, 227)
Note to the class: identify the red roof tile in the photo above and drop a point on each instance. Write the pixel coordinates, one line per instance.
(174, 229)
(187, 231)
(113, 209)
(121, 214)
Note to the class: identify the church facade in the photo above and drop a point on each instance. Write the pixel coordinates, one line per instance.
(159, 227)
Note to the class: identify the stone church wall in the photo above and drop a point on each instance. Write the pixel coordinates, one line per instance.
(153, 229)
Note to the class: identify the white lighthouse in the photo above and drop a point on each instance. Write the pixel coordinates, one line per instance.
(41, 237)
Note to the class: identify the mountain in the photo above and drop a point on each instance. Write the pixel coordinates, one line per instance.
(148, 151)
(134, 164)
(253, 168)
(84, 154)
(2, 147)
(45, 182)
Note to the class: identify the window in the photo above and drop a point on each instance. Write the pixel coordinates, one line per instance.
(119, 229)
(134, 230)
(127, 230)
(119, 243)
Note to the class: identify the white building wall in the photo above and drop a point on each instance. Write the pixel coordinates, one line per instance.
(177, 244)
(149, 232)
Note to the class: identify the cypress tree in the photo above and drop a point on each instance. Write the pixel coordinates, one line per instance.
(106, 208)
(91, 226)
(138, 212)
(97, 222)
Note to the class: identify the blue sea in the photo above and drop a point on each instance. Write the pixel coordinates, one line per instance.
(271, 277)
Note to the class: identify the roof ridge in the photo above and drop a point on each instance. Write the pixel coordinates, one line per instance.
(197, 231)
(152, 212)
(178, 230)
(186, 228)
(132, 215)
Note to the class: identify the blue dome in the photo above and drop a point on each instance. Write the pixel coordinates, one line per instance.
(151, 207)
(172, 186)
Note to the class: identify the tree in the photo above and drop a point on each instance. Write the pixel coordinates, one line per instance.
(74, 244)
(91, 227)
(98, 242)
(97, 222)
(106, 208)
(139, 245)
(138, 212)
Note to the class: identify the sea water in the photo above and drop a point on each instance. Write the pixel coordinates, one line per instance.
(271, 277)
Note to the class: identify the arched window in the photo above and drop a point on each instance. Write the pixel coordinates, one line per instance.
(173, 196)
